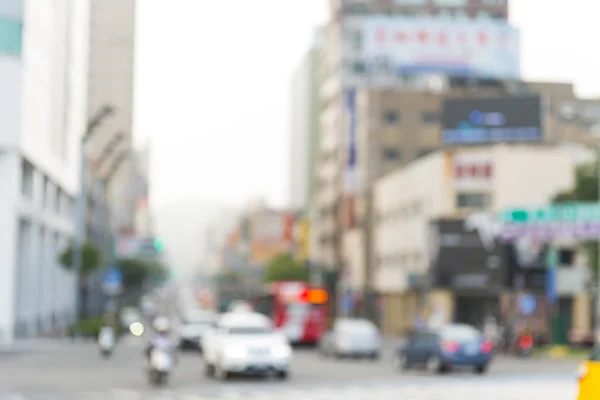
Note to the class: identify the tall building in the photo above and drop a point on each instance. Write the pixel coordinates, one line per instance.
(371, 60)
(111, 81)
(43, 72)
(346, 66)
(305, 127)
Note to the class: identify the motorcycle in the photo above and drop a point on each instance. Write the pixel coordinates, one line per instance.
(160, 366)
(106, 342)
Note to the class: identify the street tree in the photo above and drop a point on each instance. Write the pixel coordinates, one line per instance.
(285, 268)
(138, 272)
(91, 262)
(585, 189)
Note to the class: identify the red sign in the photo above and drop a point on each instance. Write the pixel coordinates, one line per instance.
(481, 170)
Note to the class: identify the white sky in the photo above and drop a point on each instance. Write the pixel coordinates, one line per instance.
(214, 78)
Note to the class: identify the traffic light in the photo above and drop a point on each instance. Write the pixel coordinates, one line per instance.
(159, 245)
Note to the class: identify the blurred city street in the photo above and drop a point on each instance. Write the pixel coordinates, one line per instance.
(76, 371)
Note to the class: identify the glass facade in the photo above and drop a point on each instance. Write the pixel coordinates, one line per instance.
(11, 31)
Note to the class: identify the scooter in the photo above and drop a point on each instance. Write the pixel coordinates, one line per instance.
(106, 342)
(160, 366)
(525, 346)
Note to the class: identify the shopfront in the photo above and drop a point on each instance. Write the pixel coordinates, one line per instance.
(468, 262)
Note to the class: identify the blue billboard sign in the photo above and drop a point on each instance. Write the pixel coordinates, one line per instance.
(492, 120)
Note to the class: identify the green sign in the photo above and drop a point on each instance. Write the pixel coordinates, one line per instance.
(564, 213)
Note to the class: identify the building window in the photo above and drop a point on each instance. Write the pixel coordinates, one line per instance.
(391, 117)
(358, 67)
(45, 192)
(11, 31)
(357, 9)
(430, 117)
(357, 40)
(27, 172)
(56, 202)
(472, 200)
(391, 154)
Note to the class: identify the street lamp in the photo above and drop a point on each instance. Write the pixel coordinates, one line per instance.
(105, 154)
(80, 216)
(110, 147)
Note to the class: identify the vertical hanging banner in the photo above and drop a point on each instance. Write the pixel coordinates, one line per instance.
(350, 104)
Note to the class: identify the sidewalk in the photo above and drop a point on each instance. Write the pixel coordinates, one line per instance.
(39, 345)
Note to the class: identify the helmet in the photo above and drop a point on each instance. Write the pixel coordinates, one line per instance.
(161, 324)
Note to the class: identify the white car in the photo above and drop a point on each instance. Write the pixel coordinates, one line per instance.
(352, 338)
(245, 343)
(192, 326)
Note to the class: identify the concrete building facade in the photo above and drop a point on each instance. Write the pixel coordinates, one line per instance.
(395, 128)
(43, 116)
(456, 184)
(342, 69)
(111, 81)
(305, 127)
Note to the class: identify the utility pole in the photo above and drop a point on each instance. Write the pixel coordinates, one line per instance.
(370, 145)
(597, 291)
(81, 209)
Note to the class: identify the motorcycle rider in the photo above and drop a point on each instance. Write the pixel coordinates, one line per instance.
(106, 338)
(162, 339)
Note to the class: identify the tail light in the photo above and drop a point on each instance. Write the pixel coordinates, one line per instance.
(450, 347)
(526, 342)
(486, 347)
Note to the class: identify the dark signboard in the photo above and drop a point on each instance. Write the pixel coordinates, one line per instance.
(526, 264)
(465, 257)
(492, 120)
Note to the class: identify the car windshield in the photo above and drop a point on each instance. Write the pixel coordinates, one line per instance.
(459, 333)
(358, 328)
(248, 330)
(199, 318)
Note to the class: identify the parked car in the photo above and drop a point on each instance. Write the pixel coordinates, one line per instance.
(191, 327)
(589, 377)
(449, 347)
(351, 338)
(245, 343)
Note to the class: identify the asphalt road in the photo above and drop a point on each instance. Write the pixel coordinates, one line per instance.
(76, 371)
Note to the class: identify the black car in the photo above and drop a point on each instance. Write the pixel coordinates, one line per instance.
(440, 350)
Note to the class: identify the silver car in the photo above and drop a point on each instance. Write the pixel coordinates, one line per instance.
(350, 337)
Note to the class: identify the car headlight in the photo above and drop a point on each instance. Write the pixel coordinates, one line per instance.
(236, 351)
(281, 351)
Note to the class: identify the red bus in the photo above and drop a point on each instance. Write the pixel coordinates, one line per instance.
(298, 310)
